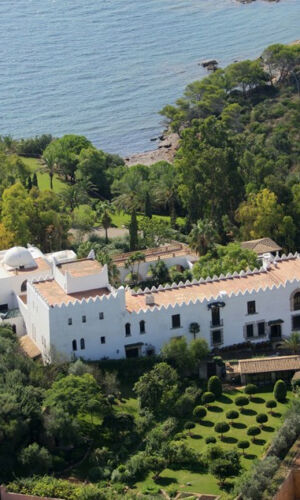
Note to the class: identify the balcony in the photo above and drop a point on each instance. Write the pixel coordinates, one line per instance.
(216, 324)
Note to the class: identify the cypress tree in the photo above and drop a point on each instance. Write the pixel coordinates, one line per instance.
(133, 231)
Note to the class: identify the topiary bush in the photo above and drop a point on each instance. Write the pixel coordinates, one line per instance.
(188, 426)
(208, 397)
(221, 428)
(232, 415)
(250, 389)
(215, 386)
(261, 419)
(210, 439)
(280, 391)
(243, 445)
(241, 401)
(271, 404)
(199, 412)
(253, 431)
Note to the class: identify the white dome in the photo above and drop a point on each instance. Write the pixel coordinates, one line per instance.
(19, 257)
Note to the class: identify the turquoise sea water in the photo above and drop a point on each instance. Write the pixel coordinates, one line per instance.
(104, 68)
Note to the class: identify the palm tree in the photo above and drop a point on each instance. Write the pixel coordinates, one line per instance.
(292, 343)
(166, 192)
(203, 236)
(103, 209)
(113, 273)
(134, 259)
(49, 160)
(74, 195)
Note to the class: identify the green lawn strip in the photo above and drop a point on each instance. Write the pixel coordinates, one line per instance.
(43, 178)
(205, 483)
(121, 219)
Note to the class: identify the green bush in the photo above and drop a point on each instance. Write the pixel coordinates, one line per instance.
(253, 431)
(241, 401)
(221, 428)
(208, 397)
(215, 386)
(261, 419)
(199, 412)
(271, 404)
(280, 391)
(250, 389)
(243, 445)
(232, 415)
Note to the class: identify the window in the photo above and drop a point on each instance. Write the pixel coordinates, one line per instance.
(215, 316)
(176, 321)
(83, 319)
(82, 344)
(261, 327)
(216, 337)
(74, 345)
(251, 307)
(249, 331)
(127, 330)
(296, 301)
(24, 286)
(142, 326)
(296, 322)
(102, 340)
(70, 321)
(101, 315)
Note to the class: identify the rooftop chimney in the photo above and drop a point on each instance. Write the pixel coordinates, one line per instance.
(149, 299)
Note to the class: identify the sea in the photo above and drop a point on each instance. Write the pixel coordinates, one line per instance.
(105, 68)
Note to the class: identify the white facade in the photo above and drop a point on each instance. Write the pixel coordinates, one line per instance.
(71, 309)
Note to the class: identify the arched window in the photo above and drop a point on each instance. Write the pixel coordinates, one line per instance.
(24, 286)
(296, 301)
(74, 345)
(142, 326)
(127, 330)
(82, 344)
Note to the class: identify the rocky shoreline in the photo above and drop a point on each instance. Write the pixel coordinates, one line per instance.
(166, 150)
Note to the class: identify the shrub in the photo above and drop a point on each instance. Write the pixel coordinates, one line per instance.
(241, 401)
(208, 397)
(210, 439)
(35, 459)
(280, 391)
(243, 445)
(221, 428)
(215, 386)
(250, 389)
(199, 412)
(253, 431)
(271, 404)
(253, 483)
(261, 419)
(232, 415)
(188, 426)
(184, 405)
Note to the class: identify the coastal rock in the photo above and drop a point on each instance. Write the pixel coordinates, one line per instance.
(209, 63)
(165, 151)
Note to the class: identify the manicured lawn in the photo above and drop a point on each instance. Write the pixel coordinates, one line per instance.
(122, 219)
(205, 483)
(43, 178)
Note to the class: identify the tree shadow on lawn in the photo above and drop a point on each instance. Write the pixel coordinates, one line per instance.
(165, 481)
(196, 436)
(268, 428)
(258, 400)
(259, 442)
(238, 425)
(215, 409)
(206, 423)
(224, 399)
(276, 414)
(248, 411)
(250, 457)
(228, 439)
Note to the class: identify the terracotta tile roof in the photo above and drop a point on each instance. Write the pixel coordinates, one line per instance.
(55, 295)
(29, 347)
(276, 275)
(80, 267)
(262, 245)
(274, 364)
(153, 254)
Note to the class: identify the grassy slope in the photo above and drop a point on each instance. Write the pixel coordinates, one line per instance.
(122, 219)
(205, 483)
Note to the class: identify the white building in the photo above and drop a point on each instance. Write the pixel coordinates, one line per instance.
(69, 306)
